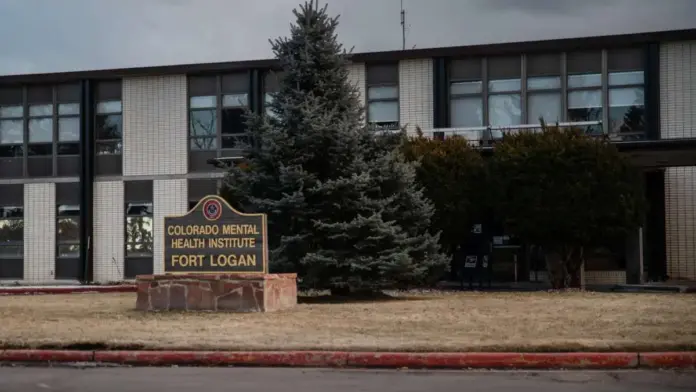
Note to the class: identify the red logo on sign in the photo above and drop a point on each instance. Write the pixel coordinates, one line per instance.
(212, 209)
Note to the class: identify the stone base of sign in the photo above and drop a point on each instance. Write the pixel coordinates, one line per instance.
(217, 292)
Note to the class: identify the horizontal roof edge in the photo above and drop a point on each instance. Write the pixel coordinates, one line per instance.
(394, 55)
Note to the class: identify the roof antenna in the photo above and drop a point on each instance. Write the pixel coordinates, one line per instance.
(403, 26)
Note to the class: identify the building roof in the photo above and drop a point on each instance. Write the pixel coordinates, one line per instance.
(565, 44)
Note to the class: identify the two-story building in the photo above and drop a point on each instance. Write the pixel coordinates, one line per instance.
(91, 162)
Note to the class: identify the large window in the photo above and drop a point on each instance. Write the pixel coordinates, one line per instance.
(109, 127)
(271, 85)
(68, 231)
(466, 89)
(383, 96)
(504, 91)
(585, 101)
(203, 123)
(139, 240)
(69, 129)
(12, 130)
(544, 89)
(11, 232)
(626, 94)
(217, 107)
(40, 129)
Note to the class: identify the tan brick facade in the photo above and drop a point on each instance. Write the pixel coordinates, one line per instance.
(154, 126)
(39, 232)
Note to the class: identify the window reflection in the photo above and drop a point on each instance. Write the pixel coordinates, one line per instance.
(383, 106)
(11, 232)
(466, 112)
(139, 236)
(585, 103)
(627, 104)
(109, 128)
(68, 231)
(504, 110)
(203, 123)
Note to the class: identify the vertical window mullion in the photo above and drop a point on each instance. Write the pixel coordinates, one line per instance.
(605, 93)
(564, 88)
(218, 115)
(523, 90)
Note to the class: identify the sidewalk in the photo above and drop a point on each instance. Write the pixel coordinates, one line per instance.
(343, 359)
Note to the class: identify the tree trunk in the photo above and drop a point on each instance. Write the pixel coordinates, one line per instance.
(564, 267)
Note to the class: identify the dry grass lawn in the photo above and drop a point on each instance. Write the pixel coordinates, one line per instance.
(442, 322)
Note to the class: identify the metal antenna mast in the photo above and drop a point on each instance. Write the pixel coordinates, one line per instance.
(403, 26)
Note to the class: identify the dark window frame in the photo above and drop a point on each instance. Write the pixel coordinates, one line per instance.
(19, 153)
(219, 108)
(151, 215)
(111, 141)
(67, 243)
(394, 125)
(519, 92)
(18, 216)
(30, 118)
(74, 143)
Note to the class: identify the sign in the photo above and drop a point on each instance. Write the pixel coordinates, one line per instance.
(215, 238)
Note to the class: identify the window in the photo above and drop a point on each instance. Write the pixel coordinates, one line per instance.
(11, 130)
(217, 112)
(585, 101)
(11, 232)
(68, 129)
(109, 127)
(544, 89)
(383, 96)
(233, 126)
(626, 94)
(139, 241)
(504, 89)
(203, 123)
(271, 86)
(466, 89)
(68, 231)
(40, 140)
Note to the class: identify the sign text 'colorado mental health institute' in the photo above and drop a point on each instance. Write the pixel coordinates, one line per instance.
(213, 237)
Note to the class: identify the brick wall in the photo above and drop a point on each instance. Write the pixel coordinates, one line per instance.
(154, 125)
(170, 198)
(678, 89)
(680, 219)
(416, 94)
(678, 120)
(109, 230)
(39, 232)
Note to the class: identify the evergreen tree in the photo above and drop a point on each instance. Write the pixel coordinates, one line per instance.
(343, 207)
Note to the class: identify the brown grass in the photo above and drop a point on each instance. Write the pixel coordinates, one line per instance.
(443, 322)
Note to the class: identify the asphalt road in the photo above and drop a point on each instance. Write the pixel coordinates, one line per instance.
(31, 379)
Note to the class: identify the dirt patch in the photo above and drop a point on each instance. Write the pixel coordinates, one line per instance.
(430, 322)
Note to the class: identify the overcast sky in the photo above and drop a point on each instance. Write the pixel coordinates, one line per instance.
(68, 35)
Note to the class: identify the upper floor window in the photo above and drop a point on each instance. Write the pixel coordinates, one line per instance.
(217, 107)
(40, 121)
(585, 101)
(544, 88)
(11, 232)
(626, 93)
(465, 90)
(11, 123)
(383, 96)
(504, 91)
(109, 119)
(68, 100)
(271, 85)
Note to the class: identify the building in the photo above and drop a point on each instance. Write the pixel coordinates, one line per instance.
(90, 162)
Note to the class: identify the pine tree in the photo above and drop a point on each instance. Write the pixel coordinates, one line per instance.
(344, 210)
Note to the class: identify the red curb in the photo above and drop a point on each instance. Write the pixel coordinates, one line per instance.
(46, 356)
(67, 290)
(371, 360)
(668, 360)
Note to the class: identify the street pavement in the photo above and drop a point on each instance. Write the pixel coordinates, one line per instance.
(190, 379)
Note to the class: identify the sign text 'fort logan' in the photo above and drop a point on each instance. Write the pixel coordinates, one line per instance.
(214, 238)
